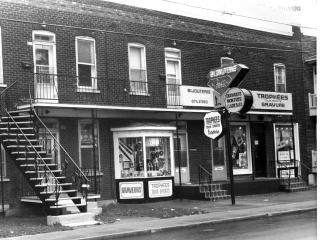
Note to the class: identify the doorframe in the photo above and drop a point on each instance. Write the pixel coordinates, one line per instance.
(184, 132)
(54, 57)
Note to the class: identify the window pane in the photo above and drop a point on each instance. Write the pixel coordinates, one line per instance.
(86, 139)
(136, 57)
(284, 143)
(87, 158)
(280, 88)
(84, 77)
(158, 156)
(85, 51)
(42, 57)
(131, 157)
(239, 147)
(173, 73)
(218, 152)
(180, 145)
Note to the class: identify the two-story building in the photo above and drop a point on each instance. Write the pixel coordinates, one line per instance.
(124, 91)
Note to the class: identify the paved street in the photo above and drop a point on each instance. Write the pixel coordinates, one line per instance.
(301, 226)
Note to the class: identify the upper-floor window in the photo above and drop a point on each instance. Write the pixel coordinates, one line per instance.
(280, 77)
(137, 69)
(86, 63)
(1, 68)
(173, 76)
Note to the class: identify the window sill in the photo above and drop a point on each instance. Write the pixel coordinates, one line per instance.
(139, 94)
(87, 90)
(3, 85)
(5, 179)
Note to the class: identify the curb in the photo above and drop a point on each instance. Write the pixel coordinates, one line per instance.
(198, 224)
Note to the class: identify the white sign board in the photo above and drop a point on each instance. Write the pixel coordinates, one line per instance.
(212, 125)
(284, 155)
(196, 96)
(161, 188)
(271, 100)
(131, 190)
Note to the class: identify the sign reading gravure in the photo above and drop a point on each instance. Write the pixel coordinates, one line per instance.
(212, 125)
(272, 100)
(131, 190)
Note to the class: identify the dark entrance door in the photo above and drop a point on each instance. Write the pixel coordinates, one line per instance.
(259, 149)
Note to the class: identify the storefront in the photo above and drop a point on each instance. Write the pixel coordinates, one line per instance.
(144, 162)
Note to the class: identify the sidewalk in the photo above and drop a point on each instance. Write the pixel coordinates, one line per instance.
(246, 207)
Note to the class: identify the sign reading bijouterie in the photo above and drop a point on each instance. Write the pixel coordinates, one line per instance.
(212, 125)
(224, 77)
(131, 190)
(161, 188)
(271, 100)
(196, 96)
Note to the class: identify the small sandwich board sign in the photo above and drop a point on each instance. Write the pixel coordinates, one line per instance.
(212, 125)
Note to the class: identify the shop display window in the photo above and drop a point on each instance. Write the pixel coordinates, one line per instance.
(158, 156)
(131, 157)
(284, 143)
(143, 154)
(240, 145)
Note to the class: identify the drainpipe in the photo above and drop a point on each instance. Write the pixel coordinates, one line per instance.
(178, 151)
(94, 151)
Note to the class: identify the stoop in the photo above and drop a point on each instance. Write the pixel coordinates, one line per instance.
(73, 220)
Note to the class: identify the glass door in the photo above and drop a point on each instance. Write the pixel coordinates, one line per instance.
(219, 169)
(181, 154)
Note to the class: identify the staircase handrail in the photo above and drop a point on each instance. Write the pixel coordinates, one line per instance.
(7, 88)
(201, 168)
(59, 145)
(30, 144)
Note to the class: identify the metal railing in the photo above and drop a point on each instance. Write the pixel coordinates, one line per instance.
(205, 177)
(53, 88)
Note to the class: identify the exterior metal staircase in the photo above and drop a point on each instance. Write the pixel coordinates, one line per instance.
(52, 182)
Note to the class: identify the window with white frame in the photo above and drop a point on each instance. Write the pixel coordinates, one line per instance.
(86, 63)
(280, 77)
(1, 66)
(173, 75)
(89, 146)
(137, 69)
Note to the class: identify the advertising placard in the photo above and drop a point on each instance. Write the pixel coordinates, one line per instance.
(160, 188)
(131, 190)
(196, 96)
(272, 101)
(212, 125)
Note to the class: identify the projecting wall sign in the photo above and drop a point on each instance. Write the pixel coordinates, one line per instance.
(238, 100)
(212, 125)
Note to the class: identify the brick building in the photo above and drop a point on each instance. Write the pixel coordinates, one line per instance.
(124, 90)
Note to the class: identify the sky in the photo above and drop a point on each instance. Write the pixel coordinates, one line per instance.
(267, 15)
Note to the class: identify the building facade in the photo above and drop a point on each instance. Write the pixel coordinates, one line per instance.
(125, 91)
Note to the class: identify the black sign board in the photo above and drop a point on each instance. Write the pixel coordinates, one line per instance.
(226, 77)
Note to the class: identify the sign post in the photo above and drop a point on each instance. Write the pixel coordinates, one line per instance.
(236, 100)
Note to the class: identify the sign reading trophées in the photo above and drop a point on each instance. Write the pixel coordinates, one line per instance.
(212, 125)
(225, 77)
(272, 100)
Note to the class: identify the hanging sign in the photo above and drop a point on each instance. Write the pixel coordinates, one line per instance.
(238, 100)
(212, 125)
(272, 100)
(225, 77)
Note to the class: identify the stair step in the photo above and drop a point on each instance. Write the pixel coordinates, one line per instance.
(66, 198)
(32, 158)
(61, 191)
(17, 117)
(68, 205)
(14, 123)
(16, 129)
(29, 152)
(25, 146)
(43, 171)
(20, 140)
(43, 178)
(52, 184)
(39, 165)
(17, 134)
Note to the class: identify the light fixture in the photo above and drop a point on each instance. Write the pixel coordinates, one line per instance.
(44, 25)
(174, 43)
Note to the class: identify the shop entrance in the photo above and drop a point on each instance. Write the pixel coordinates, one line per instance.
(219, 170)
(259, 149)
